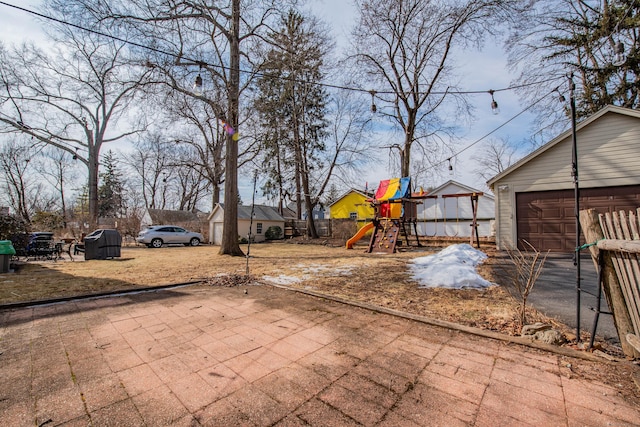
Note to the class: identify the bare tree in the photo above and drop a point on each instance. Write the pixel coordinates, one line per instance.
(57, 168)
(19, 187)
(553, 38)
(348, 148)
(493, 157)
(523, 274)
(187, 178)
(404, 48)
(72, 96)
(207, 35)
(150, 162)
(169, 173)
(201, 130)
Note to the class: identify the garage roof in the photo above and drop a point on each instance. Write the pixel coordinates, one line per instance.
(261, 212)
(566, 134)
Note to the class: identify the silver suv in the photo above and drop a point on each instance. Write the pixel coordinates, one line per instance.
(155, 236)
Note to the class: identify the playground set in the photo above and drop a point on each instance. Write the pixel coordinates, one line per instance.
(396, 209)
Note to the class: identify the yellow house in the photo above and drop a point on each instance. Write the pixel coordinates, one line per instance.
(352, 205)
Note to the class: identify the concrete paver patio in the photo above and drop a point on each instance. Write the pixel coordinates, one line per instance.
(216, 356)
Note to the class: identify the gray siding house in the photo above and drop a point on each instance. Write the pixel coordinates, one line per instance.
(263, 218)
(534, 198)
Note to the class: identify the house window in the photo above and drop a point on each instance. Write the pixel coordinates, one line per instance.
(259, 228)
(353, 215)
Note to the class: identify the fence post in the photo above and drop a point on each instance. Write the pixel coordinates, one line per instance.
(590, 225)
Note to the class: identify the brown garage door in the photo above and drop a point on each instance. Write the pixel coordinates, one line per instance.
(546, 218)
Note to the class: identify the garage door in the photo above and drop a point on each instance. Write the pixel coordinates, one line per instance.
(546, 219)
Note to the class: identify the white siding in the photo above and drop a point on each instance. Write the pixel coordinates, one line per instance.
(608, 149)
(215, 226)
(453, 228)
(243, 228)
(451, 216)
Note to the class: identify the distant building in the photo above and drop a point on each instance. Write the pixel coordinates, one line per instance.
(353, 205)
(263, 218)
(442, 216)
(318, 212)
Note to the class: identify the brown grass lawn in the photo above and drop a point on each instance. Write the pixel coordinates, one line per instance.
(383, 280)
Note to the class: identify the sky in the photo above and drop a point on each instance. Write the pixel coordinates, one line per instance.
(479, 70)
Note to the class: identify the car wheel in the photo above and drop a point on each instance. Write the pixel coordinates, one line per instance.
(156, 243)
(194, 241)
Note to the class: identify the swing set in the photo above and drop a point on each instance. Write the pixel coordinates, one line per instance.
(474, 197)
(394, 208)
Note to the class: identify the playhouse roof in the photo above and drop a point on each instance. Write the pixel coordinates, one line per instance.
(393, 189)
(346, 193)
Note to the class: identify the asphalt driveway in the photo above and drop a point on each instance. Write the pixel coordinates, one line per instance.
(555, 294)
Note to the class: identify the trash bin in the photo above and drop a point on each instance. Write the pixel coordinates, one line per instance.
(102, 244)
(6, 250)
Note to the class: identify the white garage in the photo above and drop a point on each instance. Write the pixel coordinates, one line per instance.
(535, 196)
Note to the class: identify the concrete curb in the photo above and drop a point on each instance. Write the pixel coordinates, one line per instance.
(563, 351)
(36, 303)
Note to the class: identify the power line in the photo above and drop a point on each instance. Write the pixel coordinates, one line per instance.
(223, 67)
(530, 106)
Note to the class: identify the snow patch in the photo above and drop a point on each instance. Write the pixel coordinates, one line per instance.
(282, 279)
(454, 268)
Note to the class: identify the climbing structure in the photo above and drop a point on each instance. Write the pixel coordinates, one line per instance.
(394, 207)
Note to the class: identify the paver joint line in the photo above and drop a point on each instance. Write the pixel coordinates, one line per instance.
(355, 367)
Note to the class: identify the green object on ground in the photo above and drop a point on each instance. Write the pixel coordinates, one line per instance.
(6, 248)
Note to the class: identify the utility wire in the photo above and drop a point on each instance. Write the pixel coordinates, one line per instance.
(259, 74)
(530, 106)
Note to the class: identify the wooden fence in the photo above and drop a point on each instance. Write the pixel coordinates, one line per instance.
(617, 235)
(298, 227)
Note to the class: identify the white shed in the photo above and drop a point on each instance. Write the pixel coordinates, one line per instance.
(448, 214)
(263, 218)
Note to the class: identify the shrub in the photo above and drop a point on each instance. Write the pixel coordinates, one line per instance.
(47, 221)
(14, 229)
(273, 233)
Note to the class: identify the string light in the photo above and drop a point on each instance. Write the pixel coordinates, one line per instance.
(197, 85)
(373, 101)
(530, 106)
(254, 73)
(619, 58)
(494, 104)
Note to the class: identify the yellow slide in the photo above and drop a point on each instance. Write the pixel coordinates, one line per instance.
(359, 235)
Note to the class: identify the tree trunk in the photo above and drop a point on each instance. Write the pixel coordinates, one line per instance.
(405, 156)
(64, 205)
(93, 168)
(215, 197)
(230, 245)
(311, 225)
